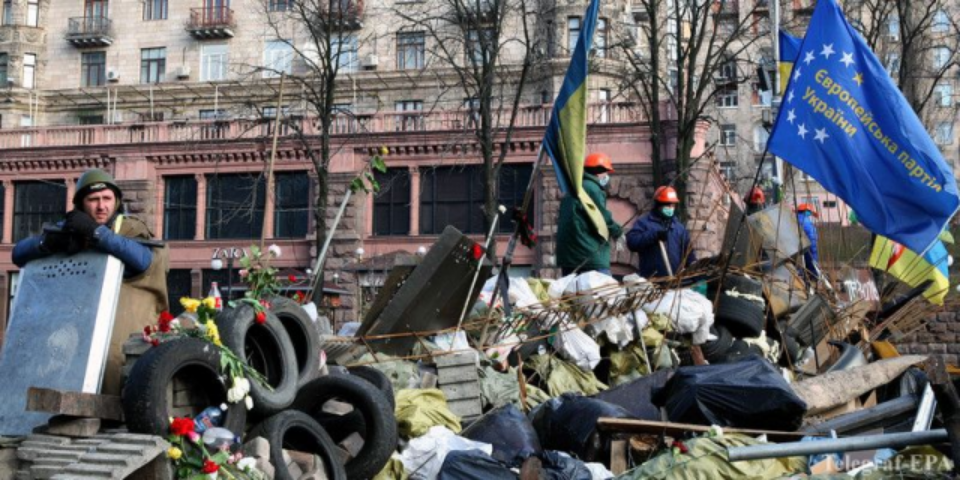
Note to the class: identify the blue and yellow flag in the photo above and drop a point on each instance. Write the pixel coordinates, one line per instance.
(913, 269)
(845, 123)
(566, 137)
(789, 50)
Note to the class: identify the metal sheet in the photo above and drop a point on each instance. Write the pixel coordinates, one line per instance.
(59, 333)
(778, 232)
(431, 297)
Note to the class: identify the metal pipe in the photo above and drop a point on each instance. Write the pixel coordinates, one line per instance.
(868, 418)
(848, 444)
(928, 405)
(317, 273)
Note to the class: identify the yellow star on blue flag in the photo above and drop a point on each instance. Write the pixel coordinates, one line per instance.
(845, 123)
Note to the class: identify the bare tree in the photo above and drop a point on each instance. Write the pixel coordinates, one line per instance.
(489, 47)
(687, 54)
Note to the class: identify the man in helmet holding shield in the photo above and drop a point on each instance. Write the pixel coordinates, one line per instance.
(95, 223)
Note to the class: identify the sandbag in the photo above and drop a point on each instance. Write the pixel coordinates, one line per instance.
(473, 465)
(689, 312)
(509, 431)
(418, 410)
(746, 394)
(568, 422)
(423, 457)
(627, 365)
(577, 347)
(563, 377)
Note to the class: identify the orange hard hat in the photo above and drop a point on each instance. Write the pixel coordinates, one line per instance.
(666, 195)
(756, 196)
(598, 159)
(806, 207)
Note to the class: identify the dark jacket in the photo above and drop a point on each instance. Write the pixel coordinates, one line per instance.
(578, 243)
(136, 258)
(642, 238)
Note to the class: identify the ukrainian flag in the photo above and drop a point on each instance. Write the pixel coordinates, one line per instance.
(789, 51)
(912, 269)
(566, 136)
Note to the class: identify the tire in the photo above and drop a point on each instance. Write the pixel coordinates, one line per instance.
(378, 379)
(303, 335)
(744, 285)
(148, 398)
(295, 430)
(380, 435)
(715, 350)
(744, 319)
(267, 349)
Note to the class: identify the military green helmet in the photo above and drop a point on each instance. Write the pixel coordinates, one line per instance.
(95, 180)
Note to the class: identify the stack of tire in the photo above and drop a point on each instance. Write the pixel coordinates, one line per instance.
(740, 313)
(182, 377)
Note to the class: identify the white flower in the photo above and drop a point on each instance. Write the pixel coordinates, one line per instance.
(274, 250)
(224, 407)
(244, 385)
(234, 395)
(249, 402)
(246, 463)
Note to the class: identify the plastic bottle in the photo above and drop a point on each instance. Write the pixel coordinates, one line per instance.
(215, 293)
(216, 437)
(210, 417)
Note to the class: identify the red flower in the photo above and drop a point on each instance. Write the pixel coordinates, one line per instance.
(147, 330)
(154, 342)
(181, 426)
(209, 466)
(292, 278)
(165, 317)
(299, 296)
(261, 317)
(477, 251)
(680, 446)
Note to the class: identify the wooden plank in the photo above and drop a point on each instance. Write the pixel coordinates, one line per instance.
(76, 404)
(619, 425)
(618, 456)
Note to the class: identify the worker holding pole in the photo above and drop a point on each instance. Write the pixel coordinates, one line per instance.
(661, 240)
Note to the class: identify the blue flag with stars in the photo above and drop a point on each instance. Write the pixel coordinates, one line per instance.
(845, 123)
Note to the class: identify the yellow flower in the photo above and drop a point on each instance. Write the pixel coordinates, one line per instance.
(174, 453)
(190, 304)
(213, 333)
(210, 302)
(384, 150)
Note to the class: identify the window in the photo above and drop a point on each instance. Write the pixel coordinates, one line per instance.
(213, 62)
(8, 12)
(179, 285)
(235, 206)
(600, 38)
(893, 28)
(345, 49)
(33, 13)
(90, 119)
(93, 68)
(829, 204)
(727, 97)
(292, 206)
(760, 137)
(603, 98)
(944, 94)
(279, 5)
(213, 114)
(410, 50)
(3, 69)
(36, 203)
(277, 57)
(892, 63)
(153, 65)
(941, 22)
(180, 208)
(479, 45)
(409, 122)
(29, 70)
(391, 205)
(944, 133)
(454, 196)
(941, 57)
(154, 9)
(728, 135)
(573, 33)
(728, 70)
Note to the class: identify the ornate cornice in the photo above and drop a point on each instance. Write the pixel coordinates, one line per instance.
(47, 165)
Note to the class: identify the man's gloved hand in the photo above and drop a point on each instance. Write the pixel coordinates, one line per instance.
(55, 242)
(81, 223)
(663, 234)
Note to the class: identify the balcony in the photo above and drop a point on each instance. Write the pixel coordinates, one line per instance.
(347, 125)
(346, 14)
(211, 23)
(90, 32)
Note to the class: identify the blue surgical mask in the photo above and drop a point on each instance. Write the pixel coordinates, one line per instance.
(667, 211)
(604, 180)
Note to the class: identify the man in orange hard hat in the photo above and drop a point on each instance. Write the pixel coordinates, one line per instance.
(660, 238)
(811, 258)
(580, 248)
(756, 201)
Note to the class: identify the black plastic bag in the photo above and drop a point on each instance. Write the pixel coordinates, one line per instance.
(509, 431)
(746, 394)
(634, 396)
(563, 467)
(473, 465)
(568, 422)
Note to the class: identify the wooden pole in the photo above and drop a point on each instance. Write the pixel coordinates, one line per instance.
(268, 201)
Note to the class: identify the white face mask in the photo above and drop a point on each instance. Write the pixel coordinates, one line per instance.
(667, 211)
(604, 180)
